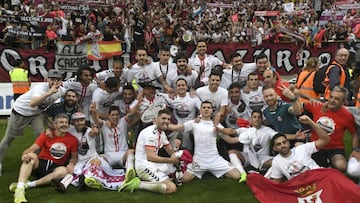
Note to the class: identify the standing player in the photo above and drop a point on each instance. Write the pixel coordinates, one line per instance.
(238, 73)
(85, 86)
(254, 97)
(116, 71)
(28, 109)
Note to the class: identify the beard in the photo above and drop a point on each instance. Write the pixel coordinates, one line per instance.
(69, 103)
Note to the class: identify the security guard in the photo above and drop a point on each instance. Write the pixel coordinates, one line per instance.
(19, 78)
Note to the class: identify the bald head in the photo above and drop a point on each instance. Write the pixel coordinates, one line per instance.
(342, 56)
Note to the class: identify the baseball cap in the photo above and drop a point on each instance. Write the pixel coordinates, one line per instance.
(148, 84)
(53, 73)
(77, 115)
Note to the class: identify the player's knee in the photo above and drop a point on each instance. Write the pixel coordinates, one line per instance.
(340, 165)
(60, 172)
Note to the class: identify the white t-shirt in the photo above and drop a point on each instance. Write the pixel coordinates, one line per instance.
(258, 138)
(209, 63)
(146, 73)
(218, 98)
(22, 104)
(164, 70)
(230, 76)
(204, 139)
(85, 93)
(104, 100)
(298, 162)
(254, 100)
(91, 152)
(105, 74)
(184, 108)
(115, 139)
(236, 111)
(173, 76)
(148, 137)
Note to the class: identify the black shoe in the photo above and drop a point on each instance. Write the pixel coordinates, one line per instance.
(82, 185)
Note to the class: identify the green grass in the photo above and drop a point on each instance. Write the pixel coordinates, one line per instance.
(209, 189)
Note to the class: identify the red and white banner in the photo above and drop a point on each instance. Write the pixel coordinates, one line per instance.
(267, 13)
(314, 186)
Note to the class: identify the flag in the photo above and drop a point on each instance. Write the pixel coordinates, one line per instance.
(100, 50)
(313, 186)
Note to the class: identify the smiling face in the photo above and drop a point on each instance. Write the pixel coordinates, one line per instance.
(270, 97)
(141, 57)
(237, 63)
(214, 82)
(201, 48)
(61, 125)
(206, 110)
(282, 146)
(336, 100)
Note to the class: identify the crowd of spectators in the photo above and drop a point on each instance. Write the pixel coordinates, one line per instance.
(153, 23)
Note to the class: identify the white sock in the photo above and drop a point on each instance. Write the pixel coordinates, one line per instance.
(234, 159)
(130, 160)
(20, 185)
(31, 184)
(153, 186)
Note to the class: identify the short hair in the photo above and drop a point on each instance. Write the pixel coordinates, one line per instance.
(181, 55)
(181, 79)
(312, 63)
(17, 62)
(164, 111)
(165, 48)
(206, 102)
(113, 108)
(118, 61)
(71, 90)
(112, 82)
(257, 111)
(129, 87)
(217, 70)
(199, 41)
(342, 90)
(252, 73)
(276, 136)
(260, 56)
(141, 48)
(266, 87)
(61, 115)
(233, 55)
(234, 85)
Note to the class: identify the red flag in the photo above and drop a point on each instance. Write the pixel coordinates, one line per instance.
(313, 186)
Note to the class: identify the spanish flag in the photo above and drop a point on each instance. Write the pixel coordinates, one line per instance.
(101, 50)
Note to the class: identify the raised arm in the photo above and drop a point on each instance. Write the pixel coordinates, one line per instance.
(323, 137)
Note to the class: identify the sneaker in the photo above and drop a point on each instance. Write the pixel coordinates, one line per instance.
(131, 185)
(19, 196)
(130, 174)
(82, 185)
(13, 186)
(93, 183)
(243, 177)
(178, 176)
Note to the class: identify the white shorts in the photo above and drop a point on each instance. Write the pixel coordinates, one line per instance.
(155, 172)
(262, 159)
(218, 167)
(115, 158)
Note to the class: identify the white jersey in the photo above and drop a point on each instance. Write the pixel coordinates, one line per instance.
(85, 93)
(236, 111)
(218, 98)
(204, 139)
(258, 138)
(105, 74)
(149, 137)
(104, 100)
(174, 75)
(164, 70)
(184, 108)
(146, 73)
(298, 162)
(124, 108)
(159, 99)
(254, 100)
(84, 139)
(22, 104)
(209, 62)
(230, 76)
(115, 139)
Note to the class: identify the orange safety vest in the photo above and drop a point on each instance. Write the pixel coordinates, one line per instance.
(326, 81)
(305, 85)
(20, 80)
